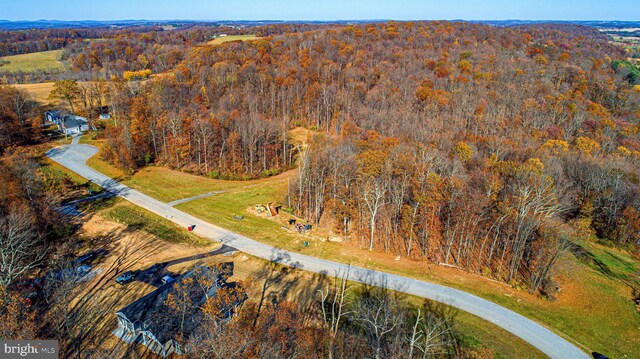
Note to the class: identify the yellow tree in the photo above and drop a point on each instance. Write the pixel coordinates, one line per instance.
(586, 145)
(66, 90)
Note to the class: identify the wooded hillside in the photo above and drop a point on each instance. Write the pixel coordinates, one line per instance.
(476, 146)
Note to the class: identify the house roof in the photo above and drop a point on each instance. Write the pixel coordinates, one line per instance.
(54, 115)
(154, 314)
(70, 121)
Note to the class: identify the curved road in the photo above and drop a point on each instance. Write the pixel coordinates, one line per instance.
(74, 157)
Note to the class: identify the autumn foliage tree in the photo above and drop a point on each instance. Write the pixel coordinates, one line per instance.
(449, 142)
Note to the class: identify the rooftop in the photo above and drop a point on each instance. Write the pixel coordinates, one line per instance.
(153, 313)
(73, 121)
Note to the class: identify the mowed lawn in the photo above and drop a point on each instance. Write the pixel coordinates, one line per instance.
(36, 61)
(222, 39)
(594, 310)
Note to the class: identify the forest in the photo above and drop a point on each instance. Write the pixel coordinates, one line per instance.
(481, 147)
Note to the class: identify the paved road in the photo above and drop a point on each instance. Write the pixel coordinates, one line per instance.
(74, 157)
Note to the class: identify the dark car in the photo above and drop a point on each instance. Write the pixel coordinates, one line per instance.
(85, 258)
(125, 277)
(153, 270)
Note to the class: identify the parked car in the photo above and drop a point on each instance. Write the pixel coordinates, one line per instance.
(86, 257)
(125, 277)
(167, 279)
(153, 270)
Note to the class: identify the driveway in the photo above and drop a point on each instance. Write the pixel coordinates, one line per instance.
(74, 157)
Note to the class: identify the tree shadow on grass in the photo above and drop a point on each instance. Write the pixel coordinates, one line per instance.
(590, 259)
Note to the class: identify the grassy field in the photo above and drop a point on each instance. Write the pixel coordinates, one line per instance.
(54, 173)
(487, 338)
(594, 309)
(223, 39)
(39, 91)
(135, 217)
(36, 61)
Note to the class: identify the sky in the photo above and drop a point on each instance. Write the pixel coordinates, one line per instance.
(319, 9)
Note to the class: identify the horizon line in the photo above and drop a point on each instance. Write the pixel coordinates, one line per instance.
(316, 20)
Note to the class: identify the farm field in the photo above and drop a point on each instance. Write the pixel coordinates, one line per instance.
(577, 314)
(223, 39)
(36, 61)
(40, 91)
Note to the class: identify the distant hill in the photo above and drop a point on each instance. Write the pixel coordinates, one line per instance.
(56, 24)
(592, 23)
(53, 24)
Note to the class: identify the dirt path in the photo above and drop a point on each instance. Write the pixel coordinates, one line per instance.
(184, 200)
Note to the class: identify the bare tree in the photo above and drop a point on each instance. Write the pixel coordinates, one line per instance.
(373, 194)
(333, 305)
(20, 245)
(431, 335)
(73, 316)
(378, 314)
(219, 340)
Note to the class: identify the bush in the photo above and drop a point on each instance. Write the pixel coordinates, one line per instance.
(215, 174)
(268, 173)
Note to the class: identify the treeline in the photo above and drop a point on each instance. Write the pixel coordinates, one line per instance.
(158, 51)
(35, 40)
(130, 50)
(33, 236)
(102, 52)
(154, 123)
